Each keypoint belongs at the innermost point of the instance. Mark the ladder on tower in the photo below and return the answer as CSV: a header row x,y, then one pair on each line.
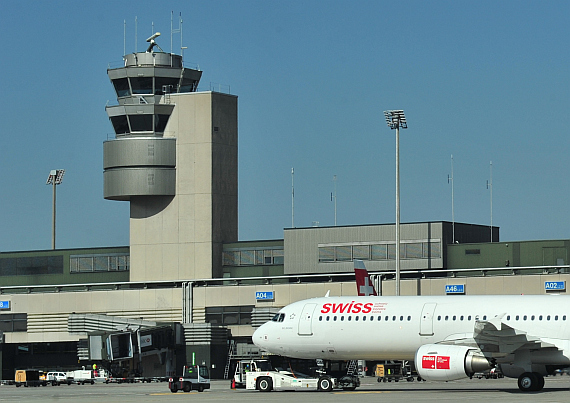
x,y
231,352
352,365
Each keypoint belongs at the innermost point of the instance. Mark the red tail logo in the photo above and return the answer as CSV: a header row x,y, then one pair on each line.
x,y
364,286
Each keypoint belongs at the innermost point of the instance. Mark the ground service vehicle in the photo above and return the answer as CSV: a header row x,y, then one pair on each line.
x,y
56,378
28,377
194,377
80,376
266,381
245,366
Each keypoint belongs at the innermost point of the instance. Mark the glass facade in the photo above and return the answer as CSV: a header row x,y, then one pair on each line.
x,y
384,251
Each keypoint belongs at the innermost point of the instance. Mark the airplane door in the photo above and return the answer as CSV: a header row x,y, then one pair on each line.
x,y
306,320
426,321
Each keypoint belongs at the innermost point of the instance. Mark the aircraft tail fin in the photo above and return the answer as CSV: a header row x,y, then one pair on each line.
x,y
364,285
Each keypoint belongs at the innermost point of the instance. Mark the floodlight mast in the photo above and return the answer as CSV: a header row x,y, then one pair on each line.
x,y
55,178
396,119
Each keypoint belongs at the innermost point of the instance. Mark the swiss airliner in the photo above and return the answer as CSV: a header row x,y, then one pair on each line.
x,y
447,337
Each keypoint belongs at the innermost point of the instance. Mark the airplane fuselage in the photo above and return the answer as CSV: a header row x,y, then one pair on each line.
x,y
385,328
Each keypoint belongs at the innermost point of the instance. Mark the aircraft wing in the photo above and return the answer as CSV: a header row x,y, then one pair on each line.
x,y
496,338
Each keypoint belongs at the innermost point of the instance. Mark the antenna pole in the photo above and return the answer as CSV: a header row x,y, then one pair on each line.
x,y
292,198
124,37
136,27
334,180
452,202
491,190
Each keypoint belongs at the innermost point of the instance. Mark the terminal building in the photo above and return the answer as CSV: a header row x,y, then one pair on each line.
x,y
185,289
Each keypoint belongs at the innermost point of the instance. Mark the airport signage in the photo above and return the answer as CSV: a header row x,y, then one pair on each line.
x,y
4,304
264,296
455,289
555,285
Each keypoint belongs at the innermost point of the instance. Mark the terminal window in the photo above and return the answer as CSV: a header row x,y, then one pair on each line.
x,y
14,322
99,263
383,251
229,315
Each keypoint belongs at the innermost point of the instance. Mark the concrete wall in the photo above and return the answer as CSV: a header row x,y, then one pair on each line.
x,y
302,246
181,237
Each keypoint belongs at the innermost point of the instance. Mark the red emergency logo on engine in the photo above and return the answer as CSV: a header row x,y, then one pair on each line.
x,y
428,362
435,362
442,362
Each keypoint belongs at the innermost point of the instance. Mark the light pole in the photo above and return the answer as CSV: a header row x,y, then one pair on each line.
x,y
396,119
55,178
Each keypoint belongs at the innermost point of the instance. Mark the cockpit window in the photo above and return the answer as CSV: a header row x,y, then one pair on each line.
x,y
281,317
275,318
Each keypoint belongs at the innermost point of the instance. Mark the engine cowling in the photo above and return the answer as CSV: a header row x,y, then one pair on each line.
x,y
440,362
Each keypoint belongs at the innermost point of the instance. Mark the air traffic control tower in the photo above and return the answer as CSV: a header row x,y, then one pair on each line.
x,y
174,159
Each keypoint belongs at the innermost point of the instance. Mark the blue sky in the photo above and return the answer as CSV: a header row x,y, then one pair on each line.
x,y
484,81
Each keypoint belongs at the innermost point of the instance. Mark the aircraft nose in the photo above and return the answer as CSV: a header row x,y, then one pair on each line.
x,y
260,337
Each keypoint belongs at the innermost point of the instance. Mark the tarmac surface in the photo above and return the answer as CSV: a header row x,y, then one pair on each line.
x,y
557,389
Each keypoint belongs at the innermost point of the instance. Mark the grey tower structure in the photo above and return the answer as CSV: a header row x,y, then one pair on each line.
x,y
174,158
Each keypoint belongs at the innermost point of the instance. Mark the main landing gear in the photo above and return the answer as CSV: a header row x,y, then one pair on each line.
x,y
531,382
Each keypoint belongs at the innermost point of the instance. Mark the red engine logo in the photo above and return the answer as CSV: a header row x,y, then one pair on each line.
x,y
428,362
435,362
442,362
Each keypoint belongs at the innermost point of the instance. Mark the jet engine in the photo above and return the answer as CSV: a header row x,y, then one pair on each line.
x,y
441,362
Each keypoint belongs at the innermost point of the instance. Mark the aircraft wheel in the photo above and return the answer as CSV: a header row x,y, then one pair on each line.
x,y
531,382
265,384
324,384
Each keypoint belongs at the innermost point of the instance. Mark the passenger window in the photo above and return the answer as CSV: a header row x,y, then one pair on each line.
x,y
386,318
508,317
379,317
564,317
342,318
454,317
540,317
349,318
555,317
363,317
461,317
517,317
484,317
372,318
524,317
409,318
401,318
439,317
334,318
321,318
446,317
356,318
548,317
532,317
469,317
328,318
393,318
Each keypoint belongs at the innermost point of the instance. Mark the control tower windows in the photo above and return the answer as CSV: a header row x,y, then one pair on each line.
x,y
160,122
141,85
120,124
141,123
122,87
188,85
165,83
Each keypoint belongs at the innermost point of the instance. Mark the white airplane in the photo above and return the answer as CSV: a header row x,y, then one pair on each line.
x,y
447,337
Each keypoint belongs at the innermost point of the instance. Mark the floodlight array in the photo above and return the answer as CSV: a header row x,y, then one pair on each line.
x,y
55,176
395,119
